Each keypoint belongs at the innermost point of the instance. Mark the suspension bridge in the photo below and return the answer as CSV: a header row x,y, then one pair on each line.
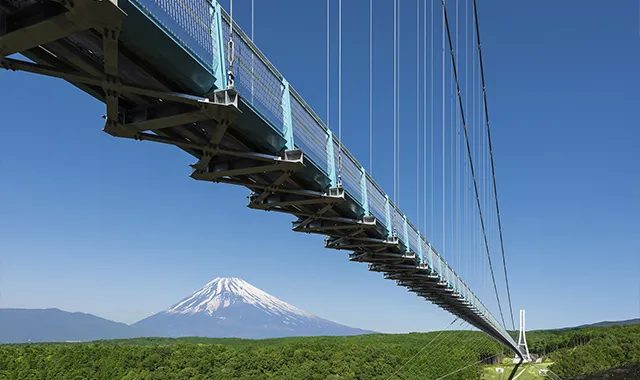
x,y
183,73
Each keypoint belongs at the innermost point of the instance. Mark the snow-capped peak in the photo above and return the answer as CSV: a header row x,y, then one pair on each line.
x,y
223,292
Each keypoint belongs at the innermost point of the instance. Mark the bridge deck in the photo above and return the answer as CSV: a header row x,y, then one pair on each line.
x,y
159,67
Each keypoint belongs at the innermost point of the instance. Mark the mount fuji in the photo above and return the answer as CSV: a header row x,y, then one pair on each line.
x,y
231,307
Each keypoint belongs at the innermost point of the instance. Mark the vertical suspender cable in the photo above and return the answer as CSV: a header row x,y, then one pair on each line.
x,y
395,104
230,23
371,87
464,124
418,110
398,106
328,67
493,170
340,93
479,141
253,25
466,91
231,52
475,142
424,109
444,214
432,108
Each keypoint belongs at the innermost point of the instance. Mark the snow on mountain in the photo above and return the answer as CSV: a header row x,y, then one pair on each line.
x,y
231,307
224,292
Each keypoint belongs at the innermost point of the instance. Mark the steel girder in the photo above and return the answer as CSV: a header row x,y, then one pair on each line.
x,y
156,109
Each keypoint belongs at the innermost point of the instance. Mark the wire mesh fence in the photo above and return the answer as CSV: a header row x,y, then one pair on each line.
x,y
255,80
309,135
377,201
191,23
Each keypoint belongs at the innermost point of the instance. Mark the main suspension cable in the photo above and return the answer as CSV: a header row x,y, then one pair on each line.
x,y
465,367
464,125
493,169
444,177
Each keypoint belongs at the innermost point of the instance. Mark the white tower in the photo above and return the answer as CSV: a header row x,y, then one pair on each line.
x,y
522,339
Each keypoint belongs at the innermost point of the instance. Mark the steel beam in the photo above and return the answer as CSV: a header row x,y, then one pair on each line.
x,y
79,16
280,201
224,156
314,217
322,226
241,167
122,88
273,187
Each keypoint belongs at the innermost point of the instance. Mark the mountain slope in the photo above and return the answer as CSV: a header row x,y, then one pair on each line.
x,y
610,323
231,307
54,325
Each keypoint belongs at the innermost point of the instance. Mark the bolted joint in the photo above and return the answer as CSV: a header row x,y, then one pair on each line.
x,y
111,79
212,147
116,129
336,192
110,84
110,93
5,64
226,97
369,220
111,33
271,189
392,240
210,150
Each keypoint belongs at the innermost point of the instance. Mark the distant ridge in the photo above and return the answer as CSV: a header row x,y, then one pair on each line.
x,y
634,321
223,308
55,325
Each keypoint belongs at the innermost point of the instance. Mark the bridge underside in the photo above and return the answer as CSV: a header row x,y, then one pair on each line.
x,y
87,43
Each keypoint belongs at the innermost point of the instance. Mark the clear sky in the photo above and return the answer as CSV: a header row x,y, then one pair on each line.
x,y
116,228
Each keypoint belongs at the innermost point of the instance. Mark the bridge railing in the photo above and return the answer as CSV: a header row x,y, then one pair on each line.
x,y
201,27
191,23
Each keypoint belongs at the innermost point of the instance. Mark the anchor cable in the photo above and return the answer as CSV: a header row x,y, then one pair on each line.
x,y
464,124
493,170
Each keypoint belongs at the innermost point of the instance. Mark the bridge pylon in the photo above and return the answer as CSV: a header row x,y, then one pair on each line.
x,y
522,339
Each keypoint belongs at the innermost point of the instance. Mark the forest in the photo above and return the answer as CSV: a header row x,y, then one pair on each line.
x,y
454,354
588,350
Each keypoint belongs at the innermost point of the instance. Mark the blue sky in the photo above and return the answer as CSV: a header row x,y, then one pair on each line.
x,y
117,228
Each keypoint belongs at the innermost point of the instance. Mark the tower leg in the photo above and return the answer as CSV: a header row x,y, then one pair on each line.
x,y
522,339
